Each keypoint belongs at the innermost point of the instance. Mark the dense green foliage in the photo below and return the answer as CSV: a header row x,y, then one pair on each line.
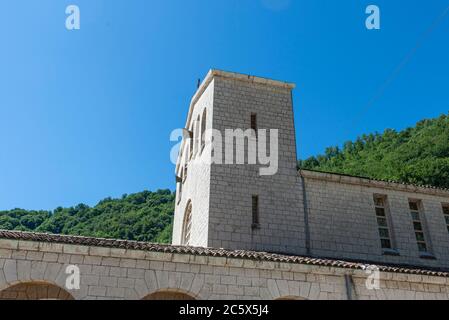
x,y
144,216
417,155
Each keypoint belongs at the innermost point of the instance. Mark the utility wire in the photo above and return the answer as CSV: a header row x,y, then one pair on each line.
x,y
398,69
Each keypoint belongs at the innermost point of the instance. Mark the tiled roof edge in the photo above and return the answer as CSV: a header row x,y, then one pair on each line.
x,y
238,254
391,184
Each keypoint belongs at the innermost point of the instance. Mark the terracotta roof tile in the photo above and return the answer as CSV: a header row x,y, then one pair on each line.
x,y
243,254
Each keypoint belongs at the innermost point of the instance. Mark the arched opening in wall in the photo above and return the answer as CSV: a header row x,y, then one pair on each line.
x,y
191,139
168,295
203,129
187,224
35,291
179,191
289,298
197,134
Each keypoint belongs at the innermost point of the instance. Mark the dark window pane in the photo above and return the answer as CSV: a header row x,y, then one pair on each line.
x,y
446,210
255,209
447,219
417,226
422,247
415,216
384,233
382,222
413,206
380,212
203,129
386,244
254,122
379,202
420,236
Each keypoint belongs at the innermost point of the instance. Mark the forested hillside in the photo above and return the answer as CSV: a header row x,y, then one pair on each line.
x,y
417,155
144,216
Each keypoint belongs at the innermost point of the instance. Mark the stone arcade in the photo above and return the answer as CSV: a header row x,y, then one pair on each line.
x,y
239,235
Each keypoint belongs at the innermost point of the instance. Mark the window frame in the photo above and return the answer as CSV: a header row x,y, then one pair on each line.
x,y
179,192
255,211
196,135
191,140
184,172
419,225
203,130
187,224
445,208
386,226
253,122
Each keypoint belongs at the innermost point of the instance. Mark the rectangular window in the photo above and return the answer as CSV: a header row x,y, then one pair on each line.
x,y
382,222
255,211
254,122
418,226
446,215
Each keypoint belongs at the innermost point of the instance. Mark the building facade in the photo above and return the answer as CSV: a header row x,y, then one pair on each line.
x,y
240,234
38,266
233,206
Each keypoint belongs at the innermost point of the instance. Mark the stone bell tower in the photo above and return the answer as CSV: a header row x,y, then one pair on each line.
x,y
231,205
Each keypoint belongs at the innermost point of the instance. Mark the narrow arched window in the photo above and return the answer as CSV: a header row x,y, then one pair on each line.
x,y
203,129
191,140
197,133
184,168
179,191
187,225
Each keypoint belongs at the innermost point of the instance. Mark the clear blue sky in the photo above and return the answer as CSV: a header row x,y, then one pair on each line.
x,y
87,114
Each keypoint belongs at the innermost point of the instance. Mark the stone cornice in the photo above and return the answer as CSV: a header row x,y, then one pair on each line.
x,y
234,76
373,183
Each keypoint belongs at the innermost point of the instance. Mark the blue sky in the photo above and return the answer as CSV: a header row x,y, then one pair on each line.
x,y
87,114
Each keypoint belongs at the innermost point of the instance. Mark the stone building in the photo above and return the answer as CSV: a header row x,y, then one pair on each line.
x,y
239,234
294,212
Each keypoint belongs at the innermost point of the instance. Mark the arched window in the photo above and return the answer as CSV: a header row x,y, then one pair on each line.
x,y
197,134
179,184
185,173
187,225
184,170
203,129
191,140
179,192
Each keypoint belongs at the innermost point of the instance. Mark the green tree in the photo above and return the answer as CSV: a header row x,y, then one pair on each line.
x,y
418,155
143,216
